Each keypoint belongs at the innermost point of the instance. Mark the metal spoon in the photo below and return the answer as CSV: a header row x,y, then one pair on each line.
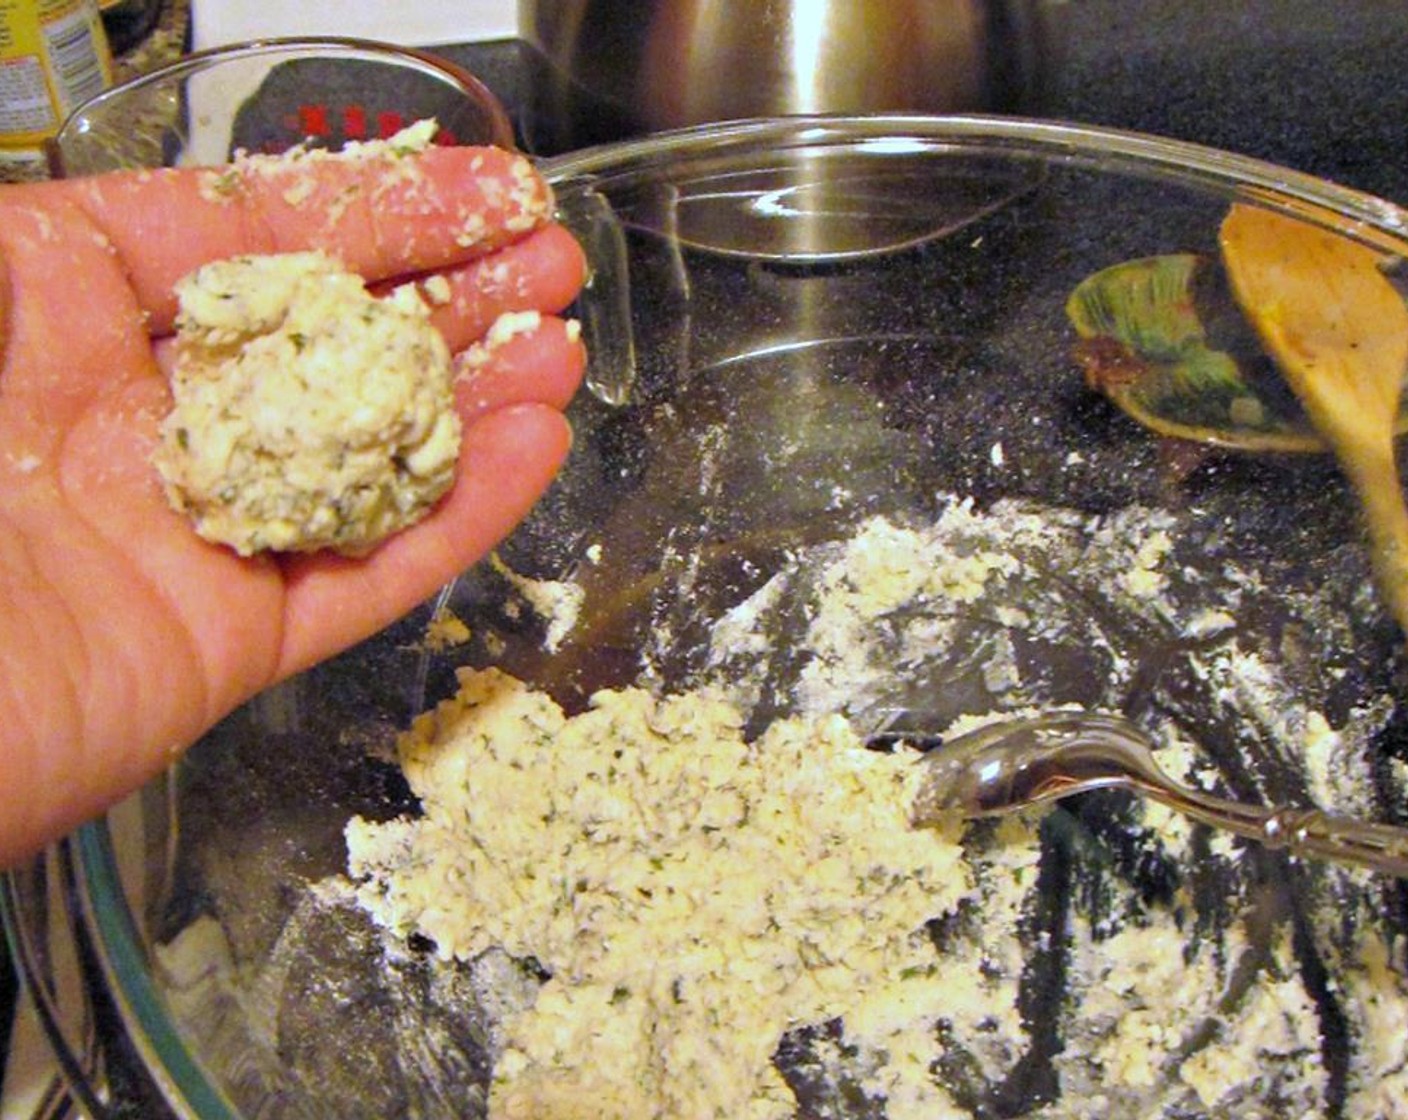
x,y
1011,764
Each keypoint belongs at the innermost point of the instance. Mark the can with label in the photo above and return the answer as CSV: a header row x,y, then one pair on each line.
x,y
53,56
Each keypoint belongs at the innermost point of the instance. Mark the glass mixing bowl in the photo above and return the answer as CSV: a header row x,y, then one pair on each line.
x,y
808,334
270,95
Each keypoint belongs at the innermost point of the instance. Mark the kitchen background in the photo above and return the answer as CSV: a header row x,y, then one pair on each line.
x,y
1314,86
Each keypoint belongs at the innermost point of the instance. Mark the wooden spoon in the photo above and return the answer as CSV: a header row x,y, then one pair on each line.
x,y
1338,331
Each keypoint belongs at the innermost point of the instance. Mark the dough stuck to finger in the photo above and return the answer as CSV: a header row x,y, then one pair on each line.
x,y
307,414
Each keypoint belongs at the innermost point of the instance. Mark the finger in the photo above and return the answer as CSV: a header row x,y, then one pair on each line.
x,y
542,365
543,272
71,326
508,458
548,368
383,214
5,301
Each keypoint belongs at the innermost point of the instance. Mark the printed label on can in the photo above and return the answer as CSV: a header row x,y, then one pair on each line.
x,y
53,57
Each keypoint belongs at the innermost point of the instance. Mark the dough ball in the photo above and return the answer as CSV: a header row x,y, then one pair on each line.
x,y
307,413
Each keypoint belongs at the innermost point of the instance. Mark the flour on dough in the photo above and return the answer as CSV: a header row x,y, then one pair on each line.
x,y
308,414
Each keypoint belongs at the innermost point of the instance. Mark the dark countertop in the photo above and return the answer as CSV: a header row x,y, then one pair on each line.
x,y
1318,87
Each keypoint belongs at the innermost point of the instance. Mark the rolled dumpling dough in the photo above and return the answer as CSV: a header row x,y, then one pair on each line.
x,y
308,413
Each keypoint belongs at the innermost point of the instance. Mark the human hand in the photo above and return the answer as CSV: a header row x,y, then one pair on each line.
x,y
123,635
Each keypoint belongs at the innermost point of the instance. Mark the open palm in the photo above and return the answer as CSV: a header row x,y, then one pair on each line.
x,y
123,636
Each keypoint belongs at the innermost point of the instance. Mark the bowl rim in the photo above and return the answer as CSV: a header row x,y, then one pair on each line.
x,y
500,127
1365,217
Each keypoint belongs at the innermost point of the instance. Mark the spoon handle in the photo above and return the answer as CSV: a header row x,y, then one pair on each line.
x,y
1302,832
1383,847
1373,471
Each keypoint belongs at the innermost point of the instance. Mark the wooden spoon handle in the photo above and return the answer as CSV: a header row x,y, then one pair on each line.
x,y
1374,475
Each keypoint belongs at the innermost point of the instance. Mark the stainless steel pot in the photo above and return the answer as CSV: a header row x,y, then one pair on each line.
x,y
617,67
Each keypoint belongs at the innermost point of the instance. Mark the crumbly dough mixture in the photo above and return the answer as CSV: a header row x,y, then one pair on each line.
x,y
307,413
694,896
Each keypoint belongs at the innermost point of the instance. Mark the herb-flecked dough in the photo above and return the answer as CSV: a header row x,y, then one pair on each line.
x,y
307,413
